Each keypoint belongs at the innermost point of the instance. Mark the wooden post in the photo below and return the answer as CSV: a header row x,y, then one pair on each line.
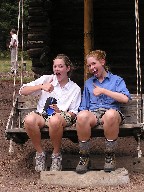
x,y
88,31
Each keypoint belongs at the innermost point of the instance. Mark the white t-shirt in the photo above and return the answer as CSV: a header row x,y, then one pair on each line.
x,y
14,38
68,97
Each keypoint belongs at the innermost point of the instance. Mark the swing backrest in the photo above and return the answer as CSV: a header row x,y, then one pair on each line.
x,y
133,110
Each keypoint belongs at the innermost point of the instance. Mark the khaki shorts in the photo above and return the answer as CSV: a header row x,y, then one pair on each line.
x,y
64,114
101,111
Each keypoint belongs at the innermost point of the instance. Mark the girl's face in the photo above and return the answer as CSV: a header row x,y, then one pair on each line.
x,y
96,67
60,69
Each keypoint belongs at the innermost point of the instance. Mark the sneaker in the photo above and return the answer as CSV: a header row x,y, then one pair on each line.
x,y
56,163
12,71
83,165
110,162
40,162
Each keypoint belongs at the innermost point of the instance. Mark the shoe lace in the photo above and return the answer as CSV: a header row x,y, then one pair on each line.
x,y
39,159
56,161
109,158
83,160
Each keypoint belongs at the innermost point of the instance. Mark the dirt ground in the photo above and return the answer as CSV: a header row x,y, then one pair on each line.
x,y
17,171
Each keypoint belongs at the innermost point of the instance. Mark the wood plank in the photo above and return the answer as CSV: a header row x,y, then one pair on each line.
x,y
73,128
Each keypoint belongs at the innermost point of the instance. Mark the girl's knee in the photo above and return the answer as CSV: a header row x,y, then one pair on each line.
x,y
55,121
82,115
111,115
29,119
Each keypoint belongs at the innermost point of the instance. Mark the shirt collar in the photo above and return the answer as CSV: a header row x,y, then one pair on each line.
x,y
55,83
68,85
107,76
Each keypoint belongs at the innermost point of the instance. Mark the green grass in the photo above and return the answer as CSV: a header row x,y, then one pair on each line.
x,y
5,70
5,65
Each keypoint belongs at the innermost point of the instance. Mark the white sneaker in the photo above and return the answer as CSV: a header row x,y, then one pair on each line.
x,y
56,163
40,161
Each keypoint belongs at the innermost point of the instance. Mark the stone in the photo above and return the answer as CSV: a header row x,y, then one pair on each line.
x,y
138,165
90,179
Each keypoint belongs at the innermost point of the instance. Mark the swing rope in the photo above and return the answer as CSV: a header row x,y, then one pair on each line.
x,y
22,44
138,65
20,5
139,81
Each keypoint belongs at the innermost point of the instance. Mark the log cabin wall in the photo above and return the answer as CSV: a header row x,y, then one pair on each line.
x,y
56,27
61,29
115,32
67,29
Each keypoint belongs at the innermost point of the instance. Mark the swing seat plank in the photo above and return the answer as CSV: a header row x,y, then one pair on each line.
x,y
133,126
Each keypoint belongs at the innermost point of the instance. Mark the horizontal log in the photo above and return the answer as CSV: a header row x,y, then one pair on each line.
x,y
35,52
37,19
38,29
36,11
38,37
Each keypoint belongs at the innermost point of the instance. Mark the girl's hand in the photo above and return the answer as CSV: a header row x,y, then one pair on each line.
x,y
55,107
47,86
97,90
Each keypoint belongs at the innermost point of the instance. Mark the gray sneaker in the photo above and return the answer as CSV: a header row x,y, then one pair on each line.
x,y
40,162
83,165
56,163
110,162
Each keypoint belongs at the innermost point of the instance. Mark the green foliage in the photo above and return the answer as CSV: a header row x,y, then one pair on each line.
x,y
9,11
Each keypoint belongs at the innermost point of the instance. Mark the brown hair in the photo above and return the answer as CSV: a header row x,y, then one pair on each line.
x,y
67,62
13,31
98,54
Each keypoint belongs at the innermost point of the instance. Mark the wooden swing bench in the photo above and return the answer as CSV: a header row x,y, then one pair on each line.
x,y
23,104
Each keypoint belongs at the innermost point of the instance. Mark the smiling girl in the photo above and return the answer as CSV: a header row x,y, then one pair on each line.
x,y
100,105
68,97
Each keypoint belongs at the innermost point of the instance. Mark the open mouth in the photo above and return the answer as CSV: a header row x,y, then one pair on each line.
x,y
58,74
95,71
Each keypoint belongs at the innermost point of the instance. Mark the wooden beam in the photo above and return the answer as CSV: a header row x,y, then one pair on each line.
x,y
88,31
